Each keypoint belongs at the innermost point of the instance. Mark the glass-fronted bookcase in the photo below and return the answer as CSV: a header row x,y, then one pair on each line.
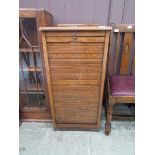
x,y
33,95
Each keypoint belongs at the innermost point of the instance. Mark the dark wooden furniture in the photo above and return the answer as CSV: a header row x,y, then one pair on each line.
x,y
75,62
121,79
33,102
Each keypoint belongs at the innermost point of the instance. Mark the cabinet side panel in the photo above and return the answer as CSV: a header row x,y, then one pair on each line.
x,y
103,76
49,86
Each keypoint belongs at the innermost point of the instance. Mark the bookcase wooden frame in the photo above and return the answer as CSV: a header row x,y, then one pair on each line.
x,y
43,18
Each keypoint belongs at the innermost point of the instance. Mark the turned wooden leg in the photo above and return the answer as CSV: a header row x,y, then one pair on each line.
x,y
108,119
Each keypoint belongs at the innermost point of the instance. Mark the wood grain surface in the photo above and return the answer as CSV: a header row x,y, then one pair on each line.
x,y
75,68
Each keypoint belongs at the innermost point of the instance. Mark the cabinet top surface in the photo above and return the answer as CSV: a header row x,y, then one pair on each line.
x,y
72,28
31,9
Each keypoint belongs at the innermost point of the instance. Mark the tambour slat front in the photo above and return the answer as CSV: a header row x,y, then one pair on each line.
x,y
75,63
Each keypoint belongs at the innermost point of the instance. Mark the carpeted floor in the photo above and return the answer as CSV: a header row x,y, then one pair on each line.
x,y
38,138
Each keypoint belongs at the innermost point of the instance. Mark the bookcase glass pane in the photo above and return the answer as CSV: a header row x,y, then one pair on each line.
x,y
33,100
28,27
21,82
39,79
30,59
29,80
42,100
30,71
23,99
32,95
26,60
37,60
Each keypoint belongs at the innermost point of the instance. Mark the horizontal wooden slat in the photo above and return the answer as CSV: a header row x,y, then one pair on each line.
x,y
59,39
77,111
76,69
74,61
77,93
85,33
75,82
77,115
75,48
64,104
72,98
90,39
72,70
74,88
75,39
73,45
74,112
75,56
75,76
67,66
71,117
89,50
78,108
75,119
79,126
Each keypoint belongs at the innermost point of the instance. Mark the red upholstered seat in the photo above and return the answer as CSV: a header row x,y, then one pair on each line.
x,y
122,85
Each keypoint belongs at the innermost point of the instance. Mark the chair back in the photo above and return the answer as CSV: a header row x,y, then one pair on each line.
x,y
122,50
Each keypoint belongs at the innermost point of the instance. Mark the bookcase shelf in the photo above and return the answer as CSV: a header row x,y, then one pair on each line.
x,y
31,69
31,88
33,49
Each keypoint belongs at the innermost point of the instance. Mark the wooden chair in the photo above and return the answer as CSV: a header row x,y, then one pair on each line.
x,y
121,64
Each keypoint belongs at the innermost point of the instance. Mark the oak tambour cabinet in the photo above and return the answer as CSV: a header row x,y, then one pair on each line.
x,y
75,64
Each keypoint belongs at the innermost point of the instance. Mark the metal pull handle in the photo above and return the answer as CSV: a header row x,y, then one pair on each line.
x,y
74,36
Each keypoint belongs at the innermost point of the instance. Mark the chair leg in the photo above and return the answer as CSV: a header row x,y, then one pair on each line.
x,y
108,119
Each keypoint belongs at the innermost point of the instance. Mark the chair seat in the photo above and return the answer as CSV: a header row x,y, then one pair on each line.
x,y
122,85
